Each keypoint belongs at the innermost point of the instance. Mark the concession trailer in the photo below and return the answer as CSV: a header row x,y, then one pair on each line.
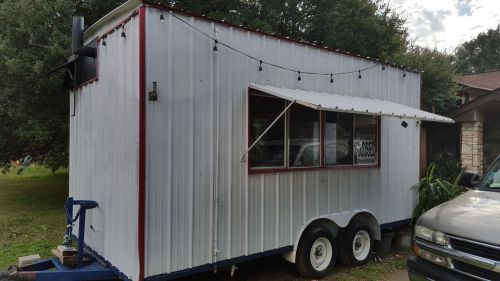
x,y
205,144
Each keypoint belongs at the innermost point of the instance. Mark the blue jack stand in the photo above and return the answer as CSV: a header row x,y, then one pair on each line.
x,y
53,270
84,206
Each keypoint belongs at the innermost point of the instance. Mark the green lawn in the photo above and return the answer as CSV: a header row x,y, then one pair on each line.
x,y
32,218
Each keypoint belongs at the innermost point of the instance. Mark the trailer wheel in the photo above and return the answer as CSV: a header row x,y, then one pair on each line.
x,y
316,253
356,244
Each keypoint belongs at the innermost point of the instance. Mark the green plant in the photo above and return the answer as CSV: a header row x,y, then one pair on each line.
x,y
446,166
433,191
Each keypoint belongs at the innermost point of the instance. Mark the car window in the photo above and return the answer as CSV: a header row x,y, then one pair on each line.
x,y
492,178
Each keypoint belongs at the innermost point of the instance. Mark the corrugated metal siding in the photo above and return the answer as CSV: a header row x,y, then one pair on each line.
x,y
104,151
197,132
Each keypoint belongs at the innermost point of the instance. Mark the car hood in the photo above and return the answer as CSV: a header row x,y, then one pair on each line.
x,y
473,215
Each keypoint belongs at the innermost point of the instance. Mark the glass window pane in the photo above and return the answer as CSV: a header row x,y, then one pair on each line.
x,y
304,137
338,138
365,139
270,150
492,178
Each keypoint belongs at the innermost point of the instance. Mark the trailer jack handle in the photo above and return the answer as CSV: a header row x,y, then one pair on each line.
x,y
80,215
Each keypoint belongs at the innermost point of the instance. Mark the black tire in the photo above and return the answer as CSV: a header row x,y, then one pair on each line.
x,y
346,241
303,259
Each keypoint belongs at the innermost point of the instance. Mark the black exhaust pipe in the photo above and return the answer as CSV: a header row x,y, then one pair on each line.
x,y
77,34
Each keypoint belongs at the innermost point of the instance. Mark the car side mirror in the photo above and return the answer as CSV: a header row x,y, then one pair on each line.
x,y
469,179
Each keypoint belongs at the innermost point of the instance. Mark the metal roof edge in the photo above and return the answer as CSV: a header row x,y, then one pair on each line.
x,y
119,12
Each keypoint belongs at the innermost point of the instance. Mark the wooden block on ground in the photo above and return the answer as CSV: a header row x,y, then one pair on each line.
x,y
67,251
66,260
27,260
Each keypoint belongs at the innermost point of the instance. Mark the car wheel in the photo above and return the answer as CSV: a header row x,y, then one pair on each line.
x,y
316,253
356,244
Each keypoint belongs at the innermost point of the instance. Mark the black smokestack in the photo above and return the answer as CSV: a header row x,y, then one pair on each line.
x,y
77,33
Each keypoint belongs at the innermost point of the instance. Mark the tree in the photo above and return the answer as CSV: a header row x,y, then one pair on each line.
x,y
36,37
480,54
439,89
33,109
368,28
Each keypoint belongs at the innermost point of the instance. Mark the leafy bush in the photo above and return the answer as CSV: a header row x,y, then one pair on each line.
x,y
433,191
446,166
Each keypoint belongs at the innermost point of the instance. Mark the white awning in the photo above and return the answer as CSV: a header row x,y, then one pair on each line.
x,y
350,104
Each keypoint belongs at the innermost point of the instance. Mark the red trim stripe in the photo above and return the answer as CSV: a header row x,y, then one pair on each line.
x,y
142,140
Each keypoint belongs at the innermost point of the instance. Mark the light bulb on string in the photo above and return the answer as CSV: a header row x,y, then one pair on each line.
x,y
359,74
383,66
103,43
298,77
123,31
215,47
162,17
404,72
260,65
331,78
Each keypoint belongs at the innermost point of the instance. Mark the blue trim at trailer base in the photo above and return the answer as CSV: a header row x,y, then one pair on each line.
x,y
41,271
395,225
223,263
114,269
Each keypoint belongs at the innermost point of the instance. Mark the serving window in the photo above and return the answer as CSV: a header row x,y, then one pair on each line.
x,y
307,138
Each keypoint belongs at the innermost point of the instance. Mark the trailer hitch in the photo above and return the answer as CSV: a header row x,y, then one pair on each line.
x,y
80,216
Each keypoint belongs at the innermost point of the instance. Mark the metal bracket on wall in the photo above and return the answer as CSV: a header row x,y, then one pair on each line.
x,y
153,95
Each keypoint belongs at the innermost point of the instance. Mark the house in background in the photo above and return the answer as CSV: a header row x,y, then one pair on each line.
x,y
474,139
479,119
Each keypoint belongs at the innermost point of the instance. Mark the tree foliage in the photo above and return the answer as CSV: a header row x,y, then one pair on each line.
x,y
368,28
33,108
438,78
480,54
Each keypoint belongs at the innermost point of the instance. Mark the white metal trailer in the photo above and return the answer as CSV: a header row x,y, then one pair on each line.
x,y
161,125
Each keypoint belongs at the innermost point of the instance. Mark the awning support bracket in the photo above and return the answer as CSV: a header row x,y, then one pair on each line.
x,y
243,157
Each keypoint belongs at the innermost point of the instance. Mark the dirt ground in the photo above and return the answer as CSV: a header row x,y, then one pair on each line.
x,y
391,268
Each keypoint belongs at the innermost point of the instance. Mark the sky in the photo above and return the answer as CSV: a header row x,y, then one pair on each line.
x,y
445,24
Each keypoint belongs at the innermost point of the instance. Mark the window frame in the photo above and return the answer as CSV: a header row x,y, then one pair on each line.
x,y
322,121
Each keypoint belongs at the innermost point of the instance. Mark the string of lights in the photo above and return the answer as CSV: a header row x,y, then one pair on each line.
x,y
260,61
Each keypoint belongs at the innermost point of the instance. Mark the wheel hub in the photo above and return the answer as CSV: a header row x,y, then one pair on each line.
x,y
361,245
321,253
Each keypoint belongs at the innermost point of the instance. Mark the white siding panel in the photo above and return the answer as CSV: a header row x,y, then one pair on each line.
x,y
104,151
197,132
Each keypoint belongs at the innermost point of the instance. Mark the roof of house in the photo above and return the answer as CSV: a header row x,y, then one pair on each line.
x,y
489,81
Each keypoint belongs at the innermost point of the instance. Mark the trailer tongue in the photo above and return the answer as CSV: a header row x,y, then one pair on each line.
x,y
69,264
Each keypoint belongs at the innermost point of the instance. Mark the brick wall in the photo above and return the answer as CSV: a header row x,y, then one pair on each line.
x,y
472,146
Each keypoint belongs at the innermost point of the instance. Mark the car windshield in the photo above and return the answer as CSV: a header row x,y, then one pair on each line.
x,y
492,177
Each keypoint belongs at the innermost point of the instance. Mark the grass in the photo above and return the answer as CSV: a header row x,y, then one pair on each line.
x,y
375,270
32,217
